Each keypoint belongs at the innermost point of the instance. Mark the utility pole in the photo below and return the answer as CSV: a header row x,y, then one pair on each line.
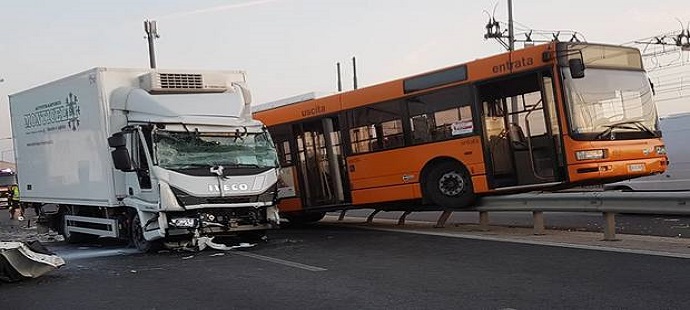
x,y
151,35
340,81
511,33
354,72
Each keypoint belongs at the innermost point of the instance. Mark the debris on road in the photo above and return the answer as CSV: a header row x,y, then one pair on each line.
x,y
204,242
19,260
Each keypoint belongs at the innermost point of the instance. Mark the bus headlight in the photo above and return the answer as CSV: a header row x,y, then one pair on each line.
x,y
660,150
590,154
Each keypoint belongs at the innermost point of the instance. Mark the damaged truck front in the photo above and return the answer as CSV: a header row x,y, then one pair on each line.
x,y
155,157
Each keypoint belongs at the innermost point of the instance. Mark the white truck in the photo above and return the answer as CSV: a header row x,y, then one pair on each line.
x,y
675,129
157,157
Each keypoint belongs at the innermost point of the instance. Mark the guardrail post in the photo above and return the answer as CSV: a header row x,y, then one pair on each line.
x,y
342,215
370,218
443,218
610,226
538,222
401,220
484,220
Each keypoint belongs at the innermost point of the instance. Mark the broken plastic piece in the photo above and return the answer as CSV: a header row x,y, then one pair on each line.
x,y
19,260
204,242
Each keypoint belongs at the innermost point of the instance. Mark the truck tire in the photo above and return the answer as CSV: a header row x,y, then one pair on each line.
x,y
136,233
449,186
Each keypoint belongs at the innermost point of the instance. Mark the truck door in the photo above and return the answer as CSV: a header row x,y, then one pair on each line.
x,y
139,183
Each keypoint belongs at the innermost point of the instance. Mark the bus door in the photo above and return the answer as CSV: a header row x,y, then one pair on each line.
x,y
522,139
320,162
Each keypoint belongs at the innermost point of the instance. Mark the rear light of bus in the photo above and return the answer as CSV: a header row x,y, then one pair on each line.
x,y
590,154
661,150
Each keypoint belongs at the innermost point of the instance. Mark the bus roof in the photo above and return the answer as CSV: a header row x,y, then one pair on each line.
x,y
287,101
310,105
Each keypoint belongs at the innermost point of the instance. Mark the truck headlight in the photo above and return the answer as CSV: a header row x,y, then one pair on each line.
x,y
270,195
590,154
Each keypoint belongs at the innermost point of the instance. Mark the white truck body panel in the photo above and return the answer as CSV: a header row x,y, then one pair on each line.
x,y
60,133
675,130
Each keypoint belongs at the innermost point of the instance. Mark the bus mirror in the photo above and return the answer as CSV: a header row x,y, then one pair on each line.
x,y
577,68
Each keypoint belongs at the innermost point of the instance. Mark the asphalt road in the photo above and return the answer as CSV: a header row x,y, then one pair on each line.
x,y
340,268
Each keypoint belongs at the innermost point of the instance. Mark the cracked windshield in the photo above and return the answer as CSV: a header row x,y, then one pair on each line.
x,y
605,101
182,150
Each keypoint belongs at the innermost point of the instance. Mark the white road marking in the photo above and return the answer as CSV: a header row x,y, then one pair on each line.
x,y
280,261
531,242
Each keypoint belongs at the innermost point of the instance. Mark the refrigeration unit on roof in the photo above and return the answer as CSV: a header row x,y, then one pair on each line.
x,y
171,82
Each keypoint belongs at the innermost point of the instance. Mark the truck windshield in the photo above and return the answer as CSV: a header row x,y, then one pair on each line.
x,y
184,150
611,104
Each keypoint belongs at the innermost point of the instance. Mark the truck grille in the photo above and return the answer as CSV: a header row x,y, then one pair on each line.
x,y
189,200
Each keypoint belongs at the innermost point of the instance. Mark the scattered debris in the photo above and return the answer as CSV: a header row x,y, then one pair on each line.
x,y
204,242
217,254
188,257
20,260
133,271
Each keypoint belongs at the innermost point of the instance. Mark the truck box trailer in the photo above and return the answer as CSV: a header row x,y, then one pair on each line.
x,y
149,155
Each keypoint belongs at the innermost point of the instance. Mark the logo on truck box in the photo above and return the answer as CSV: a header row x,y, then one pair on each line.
x,y
56,115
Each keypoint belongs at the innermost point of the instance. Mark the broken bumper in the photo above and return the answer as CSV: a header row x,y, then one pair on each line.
x,y
18,261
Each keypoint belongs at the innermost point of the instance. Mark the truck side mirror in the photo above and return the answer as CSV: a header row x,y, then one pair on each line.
x,y
117,140
577,68
120,154
121,159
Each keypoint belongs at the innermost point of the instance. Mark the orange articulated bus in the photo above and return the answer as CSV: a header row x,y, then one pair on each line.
x,y
551,116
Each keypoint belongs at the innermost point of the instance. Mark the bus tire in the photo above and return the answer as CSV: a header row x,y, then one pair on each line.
x,y
449,186
303,218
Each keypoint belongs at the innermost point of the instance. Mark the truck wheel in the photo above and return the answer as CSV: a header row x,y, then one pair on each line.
x,y
448,185
136,234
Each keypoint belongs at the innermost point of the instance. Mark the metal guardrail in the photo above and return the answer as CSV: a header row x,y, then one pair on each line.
x,y
608,203
673,203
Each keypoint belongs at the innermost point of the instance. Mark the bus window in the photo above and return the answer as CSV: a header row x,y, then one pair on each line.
x,y
282,135
376,127
433,115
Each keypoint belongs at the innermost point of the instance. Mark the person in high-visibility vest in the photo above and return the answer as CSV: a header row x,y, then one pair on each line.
x,y
15,206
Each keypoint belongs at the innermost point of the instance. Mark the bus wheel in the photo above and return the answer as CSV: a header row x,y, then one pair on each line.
x,y
303,218
136,234
449,186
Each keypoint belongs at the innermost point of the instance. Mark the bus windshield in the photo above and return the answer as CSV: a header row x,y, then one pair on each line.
x,y
611,104
185,150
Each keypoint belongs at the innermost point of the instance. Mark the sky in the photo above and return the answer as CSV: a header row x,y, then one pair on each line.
x,y
291,47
